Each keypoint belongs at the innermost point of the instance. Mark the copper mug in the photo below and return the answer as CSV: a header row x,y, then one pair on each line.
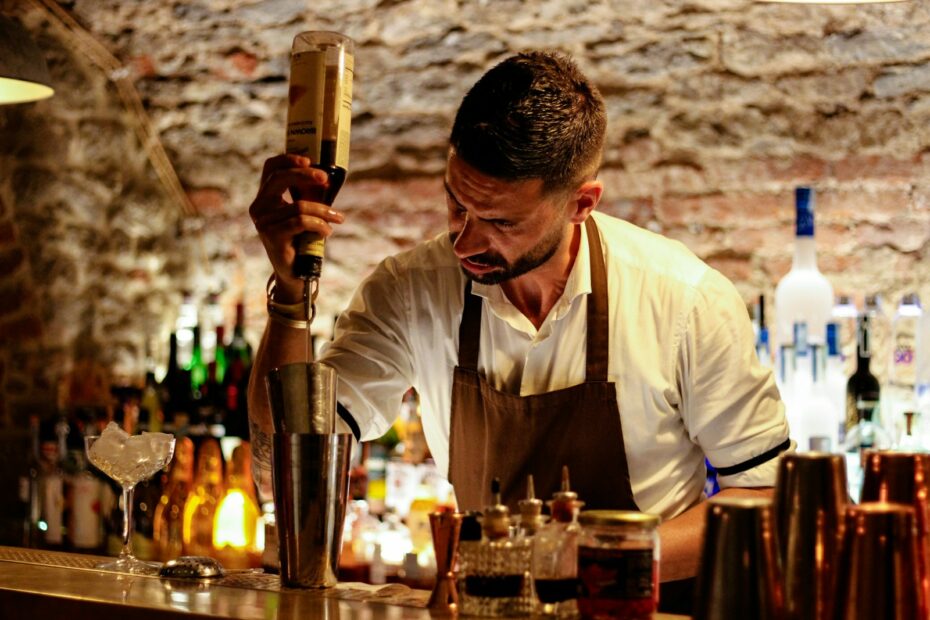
x,y
904,478
810,503
877,575
739,575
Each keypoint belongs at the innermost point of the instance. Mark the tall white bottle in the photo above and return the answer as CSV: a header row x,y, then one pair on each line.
x,y
803,295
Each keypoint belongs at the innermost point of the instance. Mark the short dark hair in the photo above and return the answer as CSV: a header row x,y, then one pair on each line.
x,y
534,115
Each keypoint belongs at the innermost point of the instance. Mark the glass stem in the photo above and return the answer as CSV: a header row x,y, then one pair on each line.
x,y
127,522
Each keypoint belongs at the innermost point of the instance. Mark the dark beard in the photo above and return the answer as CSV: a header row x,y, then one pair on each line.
x,y
538,255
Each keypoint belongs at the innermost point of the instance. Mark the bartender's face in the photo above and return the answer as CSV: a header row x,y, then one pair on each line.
x,y
501,229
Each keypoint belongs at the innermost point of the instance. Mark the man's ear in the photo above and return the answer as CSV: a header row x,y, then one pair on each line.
x,y
585,199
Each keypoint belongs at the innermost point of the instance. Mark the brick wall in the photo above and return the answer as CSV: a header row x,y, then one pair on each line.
x,y
718,108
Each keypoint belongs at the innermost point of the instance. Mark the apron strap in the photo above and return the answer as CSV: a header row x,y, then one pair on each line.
x,y
470,330
598,319
598,332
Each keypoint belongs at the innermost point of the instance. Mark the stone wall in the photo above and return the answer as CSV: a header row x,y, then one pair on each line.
x,y
718,108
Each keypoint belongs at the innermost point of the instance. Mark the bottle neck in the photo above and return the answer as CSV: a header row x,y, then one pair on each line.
x,y
805,253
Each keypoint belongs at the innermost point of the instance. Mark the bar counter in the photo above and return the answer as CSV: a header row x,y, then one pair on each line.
x,y
48,584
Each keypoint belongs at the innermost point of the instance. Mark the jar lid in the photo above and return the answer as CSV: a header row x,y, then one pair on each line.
x,y
618,517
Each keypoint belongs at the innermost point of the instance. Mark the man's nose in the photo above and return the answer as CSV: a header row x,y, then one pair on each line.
x,y
469,240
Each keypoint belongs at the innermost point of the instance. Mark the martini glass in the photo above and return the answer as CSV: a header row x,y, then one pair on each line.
x,y
129,459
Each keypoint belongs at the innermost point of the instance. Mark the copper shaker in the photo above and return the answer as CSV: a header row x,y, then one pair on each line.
x,y
810,503
903,478
877,575
739,575
445,527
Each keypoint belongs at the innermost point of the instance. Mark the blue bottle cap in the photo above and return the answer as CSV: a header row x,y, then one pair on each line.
x,y
833,339
804,206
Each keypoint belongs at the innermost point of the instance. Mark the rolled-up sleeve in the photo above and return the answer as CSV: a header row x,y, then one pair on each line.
x,y
371,352
730,404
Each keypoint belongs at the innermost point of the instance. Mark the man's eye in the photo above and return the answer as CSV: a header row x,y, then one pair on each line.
x,y
503,223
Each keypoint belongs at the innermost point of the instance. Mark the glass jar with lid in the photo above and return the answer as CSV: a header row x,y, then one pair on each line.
x,y
618,565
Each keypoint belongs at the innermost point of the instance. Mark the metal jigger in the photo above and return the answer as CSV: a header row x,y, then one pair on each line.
x,y
877,575
739,575
445,527
810,504
903,478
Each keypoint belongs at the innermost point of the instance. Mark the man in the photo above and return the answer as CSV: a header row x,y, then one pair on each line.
x,y
537,332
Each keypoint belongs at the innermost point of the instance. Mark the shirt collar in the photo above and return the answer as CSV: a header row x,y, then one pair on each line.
x,y
578,284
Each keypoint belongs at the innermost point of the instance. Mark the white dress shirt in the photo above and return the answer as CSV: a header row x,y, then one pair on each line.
x,y
689,383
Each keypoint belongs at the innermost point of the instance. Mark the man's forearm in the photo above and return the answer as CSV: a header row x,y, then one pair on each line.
x,y
682,538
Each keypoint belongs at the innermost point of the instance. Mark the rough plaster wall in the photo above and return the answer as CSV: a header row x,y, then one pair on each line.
x,y
717,108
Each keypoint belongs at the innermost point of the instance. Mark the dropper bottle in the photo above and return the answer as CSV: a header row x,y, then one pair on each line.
x,y
495,573
555,554
531,518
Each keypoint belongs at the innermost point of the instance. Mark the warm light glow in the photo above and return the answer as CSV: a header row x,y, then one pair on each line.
x,y
21,91
235,522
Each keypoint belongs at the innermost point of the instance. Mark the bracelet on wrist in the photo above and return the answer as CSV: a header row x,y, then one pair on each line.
x,y
291,315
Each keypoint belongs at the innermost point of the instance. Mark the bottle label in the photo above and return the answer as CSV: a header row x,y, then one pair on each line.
x,y
904,358
53,503
305,104
616,573
85,512
319,116
309,243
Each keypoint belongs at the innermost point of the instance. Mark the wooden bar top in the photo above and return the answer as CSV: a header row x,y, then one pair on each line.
x,y
48,584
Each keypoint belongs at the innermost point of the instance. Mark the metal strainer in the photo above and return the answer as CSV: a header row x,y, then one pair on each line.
x,y
192,567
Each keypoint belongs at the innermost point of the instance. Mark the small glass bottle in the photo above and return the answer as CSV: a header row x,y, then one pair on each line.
x,y
494,572
555,555
618,565
531,517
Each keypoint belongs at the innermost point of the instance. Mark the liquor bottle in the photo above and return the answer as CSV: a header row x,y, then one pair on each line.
x,y
879,336
844,315
197,367
236,528
803,295
52,485
184,329
318,123
169,514
836,377
85,526
922,380
863,394
555,555
219,354
238,357
763,346
899,395
29,488
823,417
494,573
145,502
797,390
200,507
150,404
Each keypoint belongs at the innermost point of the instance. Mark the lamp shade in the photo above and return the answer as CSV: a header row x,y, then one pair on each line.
x,y
23,73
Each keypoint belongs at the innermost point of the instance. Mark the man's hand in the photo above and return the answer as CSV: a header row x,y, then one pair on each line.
x,y
682,538
278,218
